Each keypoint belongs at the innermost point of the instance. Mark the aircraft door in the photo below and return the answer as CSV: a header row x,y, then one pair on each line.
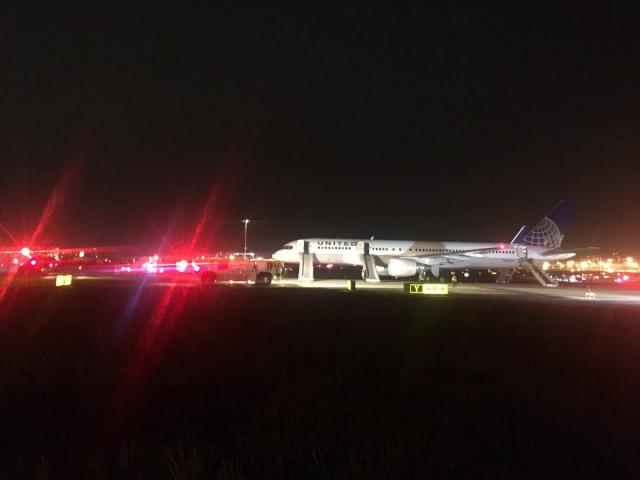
x,y
304,246
522,252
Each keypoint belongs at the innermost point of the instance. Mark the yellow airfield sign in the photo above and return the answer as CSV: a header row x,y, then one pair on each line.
x,y
63,280
429,288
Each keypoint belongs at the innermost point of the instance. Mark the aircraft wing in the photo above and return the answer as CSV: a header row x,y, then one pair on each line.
x,y
559,251
63,251
27,251
449,256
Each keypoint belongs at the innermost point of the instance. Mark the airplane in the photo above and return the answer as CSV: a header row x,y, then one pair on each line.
x,y
408,258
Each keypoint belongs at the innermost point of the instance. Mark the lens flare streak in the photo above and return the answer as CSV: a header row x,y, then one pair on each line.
x,y
157,330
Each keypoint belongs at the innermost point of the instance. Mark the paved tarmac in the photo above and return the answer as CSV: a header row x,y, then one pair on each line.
x,y
568,293
618,294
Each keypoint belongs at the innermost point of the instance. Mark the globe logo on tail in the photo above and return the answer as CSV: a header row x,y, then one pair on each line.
x,y
544,234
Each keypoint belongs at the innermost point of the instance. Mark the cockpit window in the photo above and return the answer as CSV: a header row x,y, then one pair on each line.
x,y
287,247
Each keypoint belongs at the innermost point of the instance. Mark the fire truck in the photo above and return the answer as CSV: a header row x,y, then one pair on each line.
x,y
258,271
208,269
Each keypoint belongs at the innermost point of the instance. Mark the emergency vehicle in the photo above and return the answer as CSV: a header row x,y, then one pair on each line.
x,y
259,271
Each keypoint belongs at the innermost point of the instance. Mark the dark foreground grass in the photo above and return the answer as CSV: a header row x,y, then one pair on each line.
x,y
237,383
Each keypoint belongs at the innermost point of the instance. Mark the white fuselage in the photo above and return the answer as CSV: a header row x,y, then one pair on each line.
x,y
350,251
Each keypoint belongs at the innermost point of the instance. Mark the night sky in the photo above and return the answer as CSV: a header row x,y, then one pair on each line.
x,y
424,122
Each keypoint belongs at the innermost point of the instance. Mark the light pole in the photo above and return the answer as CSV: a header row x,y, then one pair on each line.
x,y
246,223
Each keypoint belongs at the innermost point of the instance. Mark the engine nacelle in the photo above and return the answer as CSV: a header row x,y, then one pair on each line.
x,y
382,270
400,267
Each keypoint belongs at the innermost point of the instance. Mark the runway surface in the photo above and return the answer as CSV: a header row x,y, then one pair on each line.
x,y
567,293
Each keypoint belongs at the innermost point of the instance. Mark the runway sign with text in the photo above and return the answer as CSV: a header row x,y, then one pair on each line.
x,y
429,288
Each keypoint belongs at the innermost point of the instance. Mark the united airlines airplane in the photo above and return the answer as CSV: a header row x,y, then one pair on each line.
x,y
407,258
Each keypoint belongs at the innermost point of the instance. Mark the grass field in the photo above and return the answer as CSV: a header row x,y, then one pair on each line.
x,y
136,381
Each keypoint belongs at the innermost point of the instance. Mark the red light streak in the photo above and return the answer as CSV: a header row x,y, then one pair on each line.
x,y
205,215
53,203
9,234
52,206
147,353
157,331
5,302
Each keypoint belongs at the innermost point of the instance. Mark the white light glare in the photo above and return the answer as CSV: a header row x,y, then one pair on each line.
x,y
181,266
150,267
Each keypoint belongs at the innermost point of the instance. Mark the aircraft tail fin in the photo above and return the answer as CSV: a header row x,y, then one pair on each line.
x,y
550,231
520,235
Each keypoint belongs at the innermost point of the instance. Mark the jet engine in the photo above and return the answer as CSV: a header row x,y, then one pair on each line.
x,y
400,267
